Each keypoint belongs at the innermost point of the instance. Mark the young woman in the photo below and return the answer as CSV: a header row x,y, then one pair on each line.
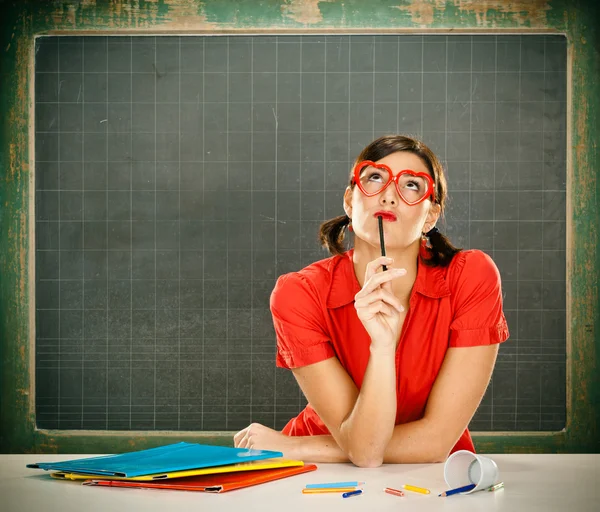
x,y
393,353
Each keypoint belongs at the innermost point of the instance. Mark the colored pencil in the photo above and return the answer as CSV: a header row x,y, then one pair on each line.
x,y
323,490
395,492
414,488
332,485
464,488
352,493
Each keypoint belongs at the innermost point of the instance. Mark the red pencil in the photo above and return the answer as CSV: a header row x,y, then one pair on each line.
x,y
395,492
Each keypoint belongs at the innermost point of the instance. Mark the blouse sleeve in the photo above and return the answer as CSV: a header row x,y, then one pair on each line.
x,y
478,316
299,323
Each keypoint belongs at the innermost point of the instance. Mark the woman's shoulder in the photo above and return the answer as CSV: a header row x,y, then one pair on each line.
x,y
314,279
472,266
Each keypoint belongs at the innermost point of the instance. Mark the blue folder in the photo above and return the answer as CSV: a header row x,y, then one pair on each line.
x,y
173,457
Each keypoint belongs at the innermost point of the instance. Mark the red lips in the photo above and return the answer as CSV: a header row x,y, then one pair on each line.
x,y
385,215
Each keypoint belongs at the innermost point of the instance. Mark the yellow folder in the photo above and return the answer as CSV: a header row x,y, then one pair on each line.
x,y
230,468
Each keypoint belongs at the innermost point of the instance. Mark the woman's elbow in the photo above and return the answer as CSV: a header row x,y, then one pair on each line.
x,y
366,462
364,459
439,455
435,458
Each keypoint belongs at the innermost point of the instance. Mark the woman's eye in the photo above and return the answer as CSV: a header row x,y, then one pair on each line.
x,y
375,177
415,185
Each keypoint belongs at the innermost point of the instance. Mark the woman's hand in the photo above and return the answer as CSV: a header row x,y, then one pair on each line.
x,y
259,437
377,307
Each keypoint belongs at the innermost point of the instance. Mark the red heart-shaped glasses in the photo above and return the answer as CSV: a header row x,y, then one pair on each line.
x,y
413,187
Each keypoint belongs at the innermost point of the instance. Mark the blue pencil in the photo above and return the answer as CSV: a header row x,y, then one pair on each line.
x,y
332,485
352,493
466,488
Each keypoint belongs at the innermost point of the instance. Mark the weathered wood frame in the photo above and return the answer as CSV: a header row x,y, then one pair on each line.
x,y
23,20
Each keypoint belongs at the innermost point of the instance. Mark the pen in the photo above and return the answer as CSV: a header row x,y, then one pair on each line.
x,y
352,493
332,485
414,488
381,240
395,492
465,488
330,489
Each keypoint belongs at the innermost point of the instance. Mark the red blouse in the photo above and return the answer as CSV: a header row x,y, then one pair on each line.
x,y
455,306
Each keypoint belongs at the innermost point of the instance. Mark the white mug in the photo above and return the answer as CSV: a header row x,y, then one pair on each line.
x,y
464,468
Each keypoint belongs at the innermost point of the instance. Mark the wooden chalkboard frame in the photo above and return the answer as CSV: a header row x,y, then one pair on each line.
x,y
22,21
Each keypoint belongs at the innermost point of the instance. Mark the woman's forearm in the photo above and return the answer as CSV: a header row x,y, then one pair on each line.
x,y
416,442
411,443
317,449
367,430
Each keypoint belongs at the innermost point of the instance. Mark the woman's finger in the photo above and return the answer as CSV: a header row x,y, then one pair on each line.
x,y
379,294
373,266
237,438
378,279
375,308
244,442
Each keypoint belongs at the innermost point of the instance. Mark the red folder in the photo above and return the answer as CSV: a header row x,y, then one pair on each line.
x,y
212,483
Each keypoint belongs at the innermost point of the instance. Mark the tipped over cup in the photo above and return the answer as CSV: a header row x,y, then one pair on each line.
x,y
466,468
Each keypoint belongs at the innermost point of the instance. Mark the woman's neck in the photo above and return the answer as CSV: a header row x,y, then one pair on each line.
x,y
406,258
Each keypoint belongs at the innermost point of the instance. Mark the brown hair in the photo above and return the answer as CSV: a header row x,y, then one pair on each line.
x,y
333,231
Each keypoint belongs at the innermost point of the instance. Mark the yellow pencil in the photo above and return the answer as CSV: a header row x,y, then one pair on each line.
x,y
328,489
416,489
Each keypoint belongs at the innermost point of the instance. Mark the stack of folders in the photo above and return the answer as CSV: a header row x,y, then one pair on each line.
x,y
181,466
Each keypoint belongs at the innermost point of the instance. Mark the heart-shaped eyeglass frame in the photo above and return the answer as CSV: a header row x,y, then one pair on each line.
x,y
391,178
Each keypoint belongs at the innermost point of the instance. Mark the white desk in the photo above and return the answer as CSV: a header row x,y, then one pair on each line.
x,y
566,483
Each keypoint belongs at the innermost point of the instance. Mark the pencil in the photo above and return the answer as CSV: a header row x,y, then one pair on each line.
x,y
496,487
352,493
414,488
381,240
458,490
395,492
326,490
332,485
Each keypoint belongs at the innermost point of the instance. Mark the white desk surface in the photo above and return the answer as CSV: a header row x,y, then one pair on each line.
x,y
566,483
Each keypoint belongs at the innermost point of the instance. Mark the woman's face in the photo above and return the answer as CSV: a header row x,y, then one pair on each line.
x,y
404,224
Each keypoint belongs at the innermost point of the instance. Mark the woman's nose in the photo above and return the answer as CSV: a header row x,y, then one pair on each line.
x,y
389,196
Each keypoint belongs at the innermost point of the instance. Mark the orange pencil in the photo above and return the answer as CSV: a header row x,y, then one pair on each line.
x,y
328,489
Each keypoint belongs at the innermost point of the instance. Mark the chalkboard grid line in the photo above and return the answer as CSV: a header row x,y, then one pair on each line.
x,y
397,86
67,221
107,253
470,187
494,195
350,159
178,246
373,97
223,309
408,72
542,185
446,105
131,237
276,197
59,229
227,242
323,217
251,224
83,233
422,83
203,231
258,102
516,338
155,258
300,213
